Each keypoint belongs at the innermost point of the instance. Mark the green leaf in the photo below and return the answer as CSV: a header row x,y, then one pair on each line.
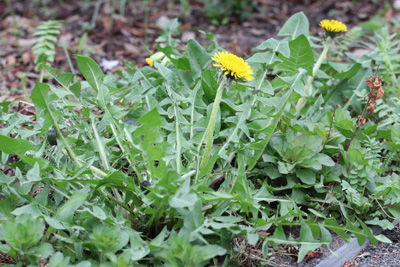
x,y
207,252
295,26
34,173
325,160
307,176
296,81
279,46
307,241
301,56
58,260
66,212
31,209
42,99
383,223
20,147
198,58
273,122
91,71
62,78
139,248
76,89
347,73
183,201
395,211
43,251
263,58
149,137
168,74
332,224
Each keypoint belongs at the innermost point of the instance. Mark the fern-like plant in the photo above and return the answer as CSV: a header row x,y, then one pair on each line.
x,y
44,48
385,52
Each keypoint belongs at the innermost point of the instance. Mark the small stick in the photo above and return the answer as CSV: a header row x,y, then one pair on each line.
x,y
330,126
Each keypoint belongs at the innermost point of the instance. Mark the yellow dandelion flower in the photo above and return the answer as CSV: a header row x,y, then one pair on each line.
x,y
233,66
333,27
149,61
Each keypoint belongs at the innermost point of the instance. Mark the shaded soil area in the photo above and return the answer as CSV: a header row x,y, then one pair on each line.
x,y
122,32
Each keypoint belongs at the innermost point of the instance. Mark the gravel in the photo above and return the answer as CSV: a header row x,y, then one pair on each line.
x,y
383,254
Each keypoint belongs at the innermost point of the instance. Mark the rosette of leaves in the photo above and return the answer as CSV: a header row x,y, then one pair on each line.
x,y
299,154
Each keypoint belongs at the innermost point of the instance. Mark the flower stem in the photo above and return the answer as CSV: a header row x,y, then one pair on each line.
x,y
317,65
211,124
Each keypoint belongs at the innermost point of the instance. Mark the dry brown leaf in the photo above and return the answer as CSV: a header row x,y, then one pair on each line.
x,y
380,92
311,254
263,232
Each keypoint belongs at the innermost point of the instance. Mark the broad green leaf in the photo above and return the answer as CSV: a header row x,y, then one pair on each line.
x,y
279,46
273,122
53,222
150,138
67,211
202,254
325,160
20,147
76,89
31,209
295,26
307,241
34,173
198,58
91,71
138,247
301,56
307,176
263,58
43,249
348,73
297,81
62,78
42,99
383,223
58,260
187,200
395,211
169,75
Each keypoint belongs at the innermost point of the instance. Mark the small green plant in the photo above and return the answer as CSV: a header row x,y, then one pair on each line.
x,y
45,45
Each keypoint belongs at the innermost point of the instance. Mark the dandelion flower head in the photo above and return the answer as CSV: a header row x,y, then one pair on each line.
x,y
333,27
233,66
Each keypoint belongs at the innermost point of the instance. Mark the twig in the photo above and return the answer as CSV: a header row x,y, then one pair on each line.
x,y
384,210
330,126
